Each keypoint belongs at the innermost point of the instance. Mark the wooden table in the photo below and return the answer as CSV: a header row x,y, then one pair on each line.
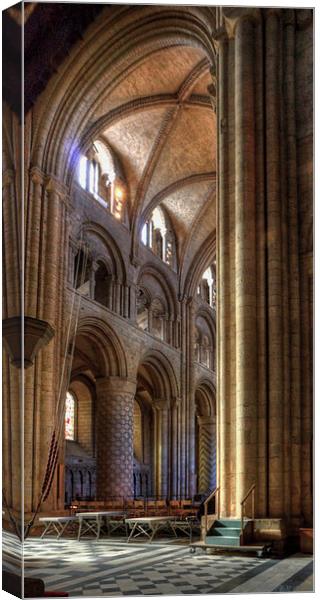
x,y
56,524
149,526
93,521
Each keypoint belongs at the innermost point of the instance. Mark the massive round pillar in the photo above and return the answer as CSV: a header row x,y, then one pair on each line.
x,y
114,430
259,402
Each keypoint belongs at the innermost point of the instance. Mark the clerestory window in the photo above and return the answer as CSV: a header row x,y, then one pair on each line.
x,y
157,235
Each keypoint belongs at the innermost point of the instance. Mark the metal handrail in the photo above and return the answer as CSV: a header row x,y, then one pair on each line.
x,y
206,502
250,491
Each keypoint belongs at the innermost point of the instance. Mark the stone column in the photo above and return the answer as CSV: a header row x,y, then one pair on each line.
x,y
117,307
11,252
191,458
207,454
174,448
109,279
132,302
56,193
245,266
274,264
73,250
126,302
294,270
163,447
170,327
33,243
223,273
259,398
114,434
94,268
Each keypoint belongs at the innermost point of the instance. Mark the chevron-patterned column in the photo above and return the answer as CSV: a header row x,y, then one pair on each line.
x,y
207,454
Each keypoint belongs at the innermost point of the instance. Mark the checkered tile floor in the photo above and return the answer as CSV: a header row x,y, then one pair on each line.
x,y
113,568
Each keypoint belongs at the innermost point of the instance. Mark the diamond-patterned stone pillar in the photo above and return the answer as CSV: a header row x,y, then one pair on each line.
x,y
114,430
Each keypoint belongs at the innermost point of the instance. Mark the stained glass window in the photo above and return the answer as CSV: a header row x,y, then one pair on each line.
x,y
70,417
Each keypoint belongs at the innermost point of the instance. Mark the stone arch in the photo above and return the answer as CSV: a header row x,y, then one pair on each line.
x,y
161,374
106,345
117,262
84,390
61,142
157,390
207,391
205,336
168,292
202,260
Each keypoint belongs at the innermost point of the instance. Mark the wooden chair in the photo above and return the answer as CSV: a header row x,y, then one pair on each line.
x,y
161,507
174,507
150,507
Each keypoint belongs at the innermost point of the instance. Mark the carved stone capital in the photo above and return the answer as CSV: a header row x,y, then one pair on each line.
x,y
176,402
233,16
36,334
161,404
135,261
37,176
116,386
94,266
220,36
53,186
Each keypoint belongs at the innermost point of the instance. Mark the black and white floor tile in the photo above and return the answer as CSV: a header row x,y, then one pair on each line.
x,y
111,567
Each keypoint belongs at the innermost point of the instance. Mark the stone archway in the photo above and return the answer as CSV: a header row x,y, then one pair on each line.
x,y
157,392
99,356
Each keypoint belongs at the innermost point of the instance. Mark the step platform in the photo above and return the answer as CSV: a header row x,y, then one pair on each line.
x,y
261,550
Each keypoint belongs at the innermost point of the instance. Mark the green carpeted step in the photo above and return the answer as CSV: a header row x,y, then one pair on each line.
x,y
225,531
222,541
233,523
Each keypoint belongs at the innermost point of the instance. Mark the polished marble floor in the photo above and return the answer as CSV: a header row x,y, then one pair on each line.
x,y
111,567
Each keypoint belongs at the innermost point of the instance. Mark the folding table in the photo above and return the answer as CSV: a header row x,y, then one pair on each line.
x,y
149,526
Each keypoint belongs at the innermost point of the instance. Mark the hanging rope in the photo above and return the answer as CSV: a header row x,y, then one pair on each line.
x,y
63,385
11,517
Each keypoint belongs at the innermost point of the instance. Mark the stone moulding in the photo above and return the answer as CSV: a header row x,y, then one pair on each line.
x,y
36,333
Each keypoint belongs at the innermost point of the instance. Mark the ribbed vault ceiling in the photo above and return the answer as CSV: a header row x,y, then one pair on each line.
x,y
156,116
164,132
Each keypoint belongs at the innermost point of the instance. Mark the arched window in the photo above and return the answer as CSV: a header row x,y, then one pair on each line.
x,y
207,286
101,174
70,418
89,172
157,235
